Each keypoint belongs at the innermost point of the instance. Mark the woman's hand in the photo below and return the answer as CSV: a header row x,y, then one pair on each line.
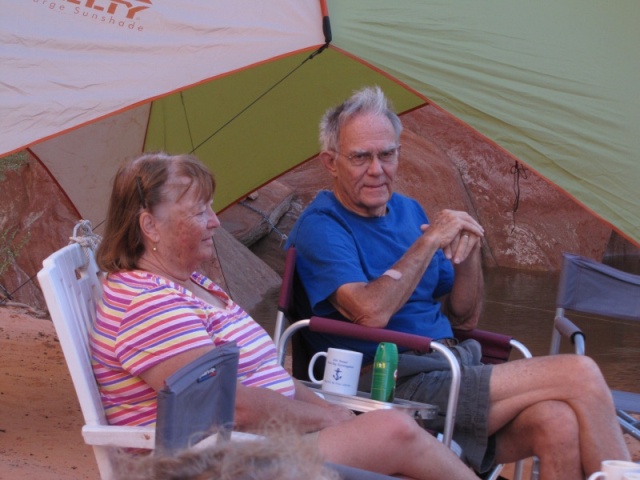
x,y
340,414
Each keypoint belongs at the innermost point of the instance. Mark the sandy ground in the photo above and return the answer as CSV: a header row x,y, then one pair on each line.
x,y
40,418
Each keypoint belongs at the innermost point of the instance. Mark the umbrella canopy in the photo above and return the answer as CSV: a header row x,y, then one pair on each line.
x,y
238,83
86,82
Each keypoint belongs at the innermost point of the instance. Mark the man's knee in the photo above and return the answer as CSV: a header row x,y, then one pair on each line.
x,y
588,375
575,370
553,416
553,425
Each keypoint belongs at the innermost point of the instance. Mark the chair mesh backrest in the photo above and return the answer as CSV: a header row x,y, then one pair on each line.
x,y
285,301
592,287
293,300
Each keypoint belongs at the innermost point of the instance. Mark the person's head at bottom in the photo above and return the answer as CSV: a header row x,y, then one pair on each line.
x,y
280,455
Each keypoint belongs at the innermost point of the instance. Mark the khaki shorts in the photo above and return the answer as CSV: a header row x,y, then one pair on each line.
x,y
426,378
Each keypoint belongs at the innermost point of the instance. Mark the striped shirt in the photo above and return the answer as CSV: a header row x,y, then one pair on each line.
x,y
143,319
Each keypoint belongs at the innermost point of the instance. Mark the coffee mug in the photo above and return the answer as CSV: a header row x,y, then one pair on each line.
x,y
615,469
341,371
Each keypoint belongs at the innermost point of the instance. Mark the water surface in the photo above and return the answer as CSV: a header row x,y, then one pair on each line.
x,y
522,304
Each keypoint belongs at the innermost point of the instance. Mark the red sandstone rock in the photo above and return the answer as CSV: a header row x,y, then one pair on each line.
x,y
443,165
42,219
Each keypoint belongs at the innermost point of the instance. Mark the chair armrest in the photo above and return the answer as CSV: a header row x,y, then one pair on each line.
x,y
496,347
563,327
348,329
567,328
121,436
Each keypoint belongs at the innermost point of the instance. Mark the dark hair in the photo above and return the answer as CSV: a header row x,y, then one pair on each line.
x,y
368,100
139,184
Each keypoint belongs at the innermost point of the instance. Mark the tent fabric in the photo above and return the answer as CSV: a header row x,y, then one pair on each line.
x,y
554,84
92,92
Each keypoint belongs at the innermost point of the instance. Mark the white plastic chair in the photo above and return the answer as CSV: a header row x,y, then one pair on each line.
x,y
70,282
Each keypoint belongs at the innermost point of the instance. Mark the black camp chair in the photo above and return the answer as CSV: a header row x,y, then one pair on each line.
x,y
587,286
293,308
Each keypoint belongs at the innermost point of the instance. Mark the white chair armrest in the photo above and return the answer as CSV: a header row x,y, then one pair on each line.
x,y
121,436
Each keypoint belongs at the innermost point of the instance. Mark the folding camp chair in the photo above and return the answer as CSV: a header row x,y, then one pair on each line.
x,y
496,348
587,286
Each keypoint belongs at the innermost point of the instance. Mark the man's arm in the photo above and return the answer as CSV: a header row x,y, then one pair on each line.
x,y
464,304
458,234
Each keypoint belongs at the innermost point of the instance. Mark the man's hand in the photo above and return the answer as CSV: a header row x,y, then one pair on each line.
x,y
457,234
461,247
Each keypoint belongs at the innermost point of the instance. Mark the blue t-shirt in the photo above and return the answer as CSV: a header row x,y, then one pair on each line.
x,y
336,246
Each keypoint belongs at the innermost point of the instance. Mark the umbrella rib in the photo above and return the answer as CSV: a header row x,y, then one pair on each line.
x,y
186,118
310,57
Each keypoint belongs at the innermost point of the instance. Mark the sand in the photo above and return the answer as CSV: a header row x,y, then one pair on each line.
x,y
40,419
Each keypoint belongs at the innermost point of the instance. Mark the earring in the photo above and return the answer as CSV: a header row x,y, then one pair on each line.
x,y
154,249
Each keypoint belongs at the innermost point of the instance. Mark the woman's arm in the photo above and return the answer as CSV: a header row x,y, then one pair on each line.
x,y
255,406
156,375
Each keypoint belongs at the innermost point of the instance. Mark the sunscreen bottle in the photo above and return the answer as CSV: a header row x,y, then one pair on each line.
x,y
385,372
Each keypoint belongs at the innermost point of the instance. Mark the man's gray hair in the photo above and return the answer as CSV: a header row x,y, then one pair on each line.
x,y
369,100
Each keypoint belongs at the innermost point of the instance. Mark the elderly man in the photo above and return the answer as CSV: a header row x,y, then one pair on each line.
x,y
371,256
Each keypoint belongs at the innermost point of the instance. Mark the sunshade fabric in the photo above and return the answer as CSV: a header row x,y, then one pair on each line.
x,y
274,134
554,83
69,62
221,56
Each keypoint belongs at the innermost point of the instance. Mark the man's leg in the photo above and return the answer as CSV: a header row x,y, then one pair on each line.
x,y
548,430
573,379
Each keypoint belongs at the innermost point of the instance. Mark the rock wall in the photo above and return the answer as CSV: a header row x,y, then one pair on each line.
x,y
533,236
443,165
35,220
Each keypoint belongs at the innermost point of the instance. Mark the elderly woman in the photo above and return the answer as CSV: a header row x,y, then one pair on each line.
x,y
157,314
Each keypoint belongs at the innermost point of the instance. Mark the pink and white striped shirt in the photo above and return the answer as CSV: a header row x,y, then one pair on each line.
x,y
144,319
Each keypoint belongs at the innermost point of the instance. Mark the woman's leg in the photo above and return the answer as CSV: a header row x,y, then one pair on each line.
x,y
392,443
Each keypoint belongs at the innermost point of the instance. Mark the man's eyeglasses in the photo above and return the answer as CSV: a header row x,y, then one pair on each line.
x,y
385,157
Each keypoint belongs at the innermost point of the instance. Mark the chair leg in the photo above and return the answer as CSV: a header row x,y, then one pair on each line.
x,y
629,424
518,471
495,473
103,459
